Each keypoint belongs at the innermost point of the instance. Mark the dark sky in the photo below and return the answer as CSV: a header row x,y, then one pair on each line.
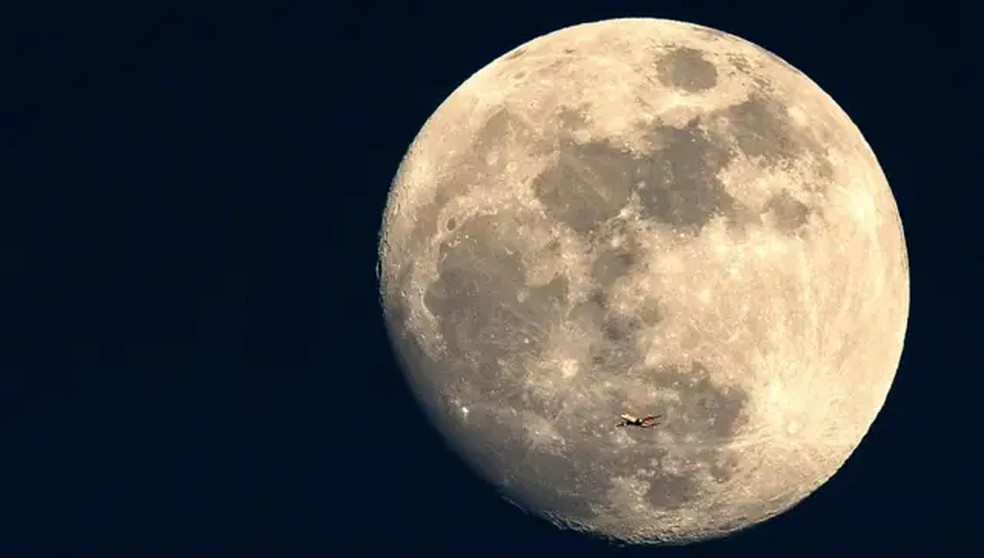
x,y
192,353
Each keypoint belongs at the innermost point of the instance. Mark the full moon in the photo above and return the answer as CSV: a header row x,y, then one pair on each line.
x,y
649,217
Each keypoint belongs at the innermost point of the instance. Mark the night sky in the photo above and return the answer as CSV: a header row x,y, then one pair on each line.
x,y
193,360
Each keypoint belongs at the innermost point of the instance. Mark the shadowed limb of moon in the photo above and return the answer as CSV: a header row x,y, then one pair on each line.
x,y
646,216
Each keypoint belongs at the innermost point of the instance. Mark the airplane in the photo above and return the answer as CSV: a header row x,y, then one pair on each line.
x,y
645,422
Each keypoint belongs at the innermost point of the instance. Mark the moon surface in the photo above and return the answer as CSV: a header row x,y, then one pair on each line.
x,y
645,216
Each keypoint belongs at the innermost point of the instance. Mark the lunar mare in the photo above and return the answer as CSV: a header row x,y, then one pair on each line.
x,y
644,216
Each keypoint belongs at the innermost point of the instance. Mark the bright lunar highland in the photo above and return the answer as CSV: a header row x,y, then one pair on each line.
x,y
649,217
